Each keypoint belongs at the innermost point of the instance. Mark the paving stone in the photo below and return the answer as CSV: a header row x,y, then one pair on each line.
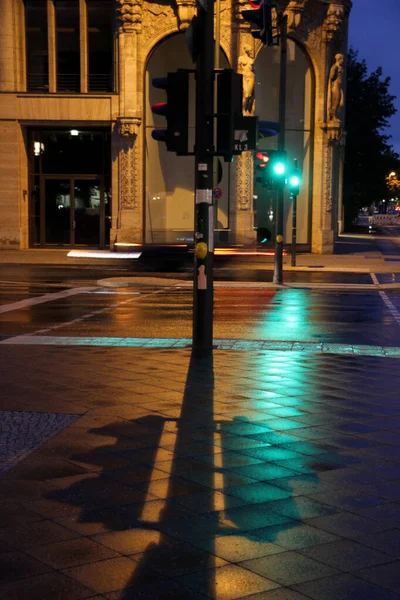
x,y
18,565
346,524
35,534
45,587
227,583
293,536
386,541
288,568
69,553
345,587
107,575
23,432
386,575
347,555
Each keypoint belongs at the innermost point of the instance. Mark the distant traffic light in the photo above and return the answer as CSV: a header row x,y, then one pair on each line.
x,y
295,182
279,168
295,179
175,110
260,20
271,168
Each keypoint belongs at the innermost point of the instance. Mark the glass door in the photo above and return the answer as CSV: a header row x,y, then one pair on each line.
x,y
73,211
88,212
56,212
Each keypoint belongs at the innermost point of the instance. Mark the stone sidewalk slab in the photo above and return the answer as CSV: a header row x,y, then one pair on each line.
x,y
261,474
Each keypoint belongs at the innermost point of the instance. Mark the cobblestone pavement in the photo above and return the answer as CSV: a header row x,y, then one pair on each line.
x,y
259,474
23,432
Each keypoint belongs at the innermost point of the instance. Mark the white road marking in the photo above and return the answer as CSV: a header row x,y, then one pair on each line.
x,y
89,315
391,307
42,299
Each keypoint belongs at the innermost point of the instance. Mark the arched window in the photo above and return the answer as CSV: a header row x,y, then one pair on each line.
x,y
299,130
169,179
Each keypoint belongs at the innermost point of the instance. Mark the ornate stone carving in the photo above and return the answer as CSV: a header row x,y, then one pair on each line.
x,y
333,131
130,14
328,175
238,6
244,187
128,176
334,20
129,126
186,11
294,11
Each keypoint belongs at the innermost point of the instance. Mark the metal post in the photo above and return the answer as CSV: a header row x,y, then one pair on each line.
x,y
294,223
294,226
278,264
204,209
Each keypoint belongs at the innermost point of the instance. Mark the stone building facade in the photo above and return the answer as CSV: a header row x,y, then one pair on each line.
x,y
78,166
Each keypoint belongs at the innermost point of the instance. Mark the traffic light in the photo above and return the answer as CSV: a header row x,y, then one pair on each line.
x,y
295,182
175,109
260,20
271,168
229,104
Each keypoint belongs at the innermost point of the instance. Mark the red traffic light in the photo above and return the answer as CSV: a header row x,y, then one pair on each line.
x,y
160,108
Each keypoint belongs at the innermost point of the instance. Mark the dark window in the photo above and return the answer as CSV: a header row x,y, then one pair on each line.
x,y
37,60
73,151
68,55
101,15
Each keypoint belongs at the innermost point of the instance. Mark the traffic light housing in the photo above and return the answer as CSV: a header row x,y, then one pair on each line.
x,y
294,182
176,111
271,168
235,133
260,20
229,104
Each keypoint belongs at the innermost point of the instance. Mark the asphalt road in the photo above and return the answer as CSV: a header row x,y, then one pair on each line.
x,y
67,302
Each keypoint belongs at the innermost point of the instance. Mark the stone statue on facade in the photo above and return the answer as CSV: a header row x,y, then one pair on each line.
x,y
246,68
335,90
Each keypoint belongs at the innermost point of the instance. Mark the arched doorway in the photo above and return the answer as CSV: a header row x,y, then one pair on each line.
x,y
299,132
169,179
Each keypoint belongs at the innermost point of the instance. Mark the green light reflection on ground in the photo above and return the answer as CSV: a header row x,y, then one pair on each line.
x,y
284,355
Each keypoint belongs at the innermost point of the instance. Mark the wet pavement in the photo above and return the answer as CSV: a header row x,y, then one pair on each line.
x,y
259,475
268,470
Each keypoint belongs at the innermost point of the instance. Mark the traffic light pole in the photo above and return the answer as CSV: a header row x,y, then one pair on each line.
x,y
278,263
204,209
294,223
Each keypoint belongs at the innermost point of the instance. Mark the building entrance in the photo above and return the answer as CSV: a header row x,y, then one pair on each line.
x,y
70,202
73,211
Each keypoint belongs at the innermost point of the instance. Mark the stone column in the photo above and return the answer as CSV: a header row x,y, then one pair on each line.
x,y
127,135
329,131
241,206
83,44
8,66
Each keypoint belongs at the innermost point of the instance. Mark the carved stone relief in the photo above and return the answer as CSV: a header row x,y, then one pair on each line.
x,y
130,13
158,18
186,11
294,11
334,20
128,182
129,126
244,181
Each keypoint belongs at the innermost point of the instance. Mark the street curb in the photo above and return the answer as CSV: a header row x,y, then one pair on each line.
x,y
119,282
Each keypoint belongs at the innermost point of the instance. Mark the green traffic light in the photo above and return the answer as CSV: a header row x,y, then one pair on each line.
x,y
295,181
279,168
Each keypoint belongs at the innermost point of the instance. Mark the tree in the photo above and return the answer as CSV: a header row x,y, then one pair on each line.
x,y
369,155
393,184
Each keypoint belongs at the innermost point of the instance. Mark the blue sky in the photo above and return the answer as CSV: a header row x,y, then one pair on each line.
x,y
375,33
